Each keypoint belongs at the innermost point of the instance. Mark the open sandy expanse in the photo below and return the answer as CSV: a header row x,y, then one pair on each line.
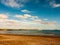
x,y
28,40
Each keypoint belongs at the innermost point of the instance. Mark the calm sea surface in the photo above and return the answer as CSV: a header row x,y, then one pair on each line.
x,y
32,32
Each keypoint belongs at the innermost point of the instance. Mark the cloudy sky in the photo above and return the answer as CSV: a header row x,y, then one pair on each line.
x,y
30,14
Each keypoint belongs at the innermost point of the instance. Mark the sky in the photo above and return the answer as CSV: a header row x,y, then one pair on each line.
x,y
30,14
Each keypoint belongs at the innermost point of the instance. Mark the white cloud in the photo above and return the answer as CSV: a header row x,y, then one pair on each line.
x,y
45,19
27,15
15,24
6,23
19,16
35,17
51,23
37,23
3,16
18,24
54,4
37,20
11,3
25,11
23,16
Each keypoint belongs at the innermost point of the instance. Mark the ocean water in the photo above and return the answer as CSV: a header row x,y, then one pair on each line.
x,y
32,32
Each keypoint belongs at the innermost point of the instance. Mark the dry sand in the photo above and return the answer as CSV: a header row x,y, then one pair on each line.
x,y
28,40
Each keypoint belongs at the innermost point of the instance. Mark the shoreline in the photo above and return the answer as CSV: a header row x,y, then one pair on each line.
x,y
32,35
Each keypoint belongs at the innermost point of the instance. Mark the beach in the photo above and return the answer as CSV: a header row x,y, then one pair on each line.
x,y
28,40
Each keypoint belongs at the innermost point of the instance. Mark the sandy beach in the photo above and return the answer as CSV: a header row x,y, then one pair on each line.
x,y
28,40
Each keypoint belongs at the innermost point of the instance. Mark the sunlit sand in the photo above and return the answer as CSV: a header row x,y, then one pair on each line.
x,y
28,40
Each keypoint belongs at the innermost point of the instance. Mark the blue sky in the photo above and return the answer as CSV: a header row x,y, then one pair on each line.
x,y
37,14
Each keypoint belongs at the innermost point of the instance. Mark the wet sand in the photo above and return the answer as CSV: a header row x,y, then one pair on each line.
x,y
28,40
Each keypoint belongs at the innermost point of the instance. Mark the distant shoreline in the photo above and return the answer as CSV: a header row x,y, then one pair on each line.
x,y
33,35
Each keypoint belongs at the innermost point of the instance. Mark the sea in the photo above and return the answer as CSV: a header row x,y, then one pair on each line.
x,y
32,32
